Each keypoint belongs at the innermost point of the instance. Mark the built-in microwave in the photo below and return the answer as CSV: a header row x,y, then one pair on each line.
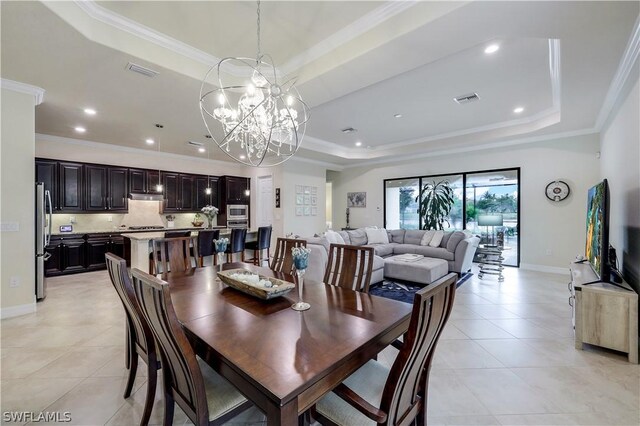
x,y
237,212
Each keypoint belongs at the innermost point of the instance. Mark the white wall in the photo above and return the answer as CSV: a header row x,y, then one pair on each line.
x,y
545,226
294,173
620,159
17,249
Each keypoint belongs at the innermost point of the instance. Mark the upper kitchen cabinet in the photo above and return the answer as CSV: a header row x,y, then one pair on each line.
x,y
70,191
179,192
117,189
200,197
185,201
106,188
171,189
47,172
138,181
233,189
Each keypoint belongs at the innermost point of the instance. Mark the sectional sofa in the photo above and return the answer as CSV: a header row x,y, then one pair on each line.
x,y
456,247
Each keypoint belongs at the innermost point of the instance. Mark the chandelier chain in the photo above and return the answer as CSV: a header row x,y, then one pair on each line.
x,y
258,31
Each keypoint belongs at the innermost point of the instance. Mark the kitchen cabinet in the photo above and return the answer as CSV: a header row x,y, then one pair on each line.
x,y
96,248
153,179
70,190
138,181
179,192
53,265
117,189
73,255
95,178
80,253
200,197
171,188
185,200
47,172
116,245
233,189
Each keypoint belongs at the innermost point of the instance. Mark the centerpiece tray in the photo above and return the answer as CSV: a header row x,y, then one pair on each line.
x,y
279,287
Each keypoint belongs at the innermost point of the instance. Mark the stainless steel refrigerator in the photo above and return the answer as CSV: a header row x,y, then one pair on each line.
x,y
44,212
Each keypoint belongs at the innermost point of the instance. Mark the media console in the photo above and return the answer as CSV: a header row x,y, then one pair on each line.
x,y
603,314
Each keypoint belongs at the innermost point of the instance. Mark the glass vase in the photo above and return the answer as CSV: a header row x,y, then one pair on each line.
x,y
300,305
220,255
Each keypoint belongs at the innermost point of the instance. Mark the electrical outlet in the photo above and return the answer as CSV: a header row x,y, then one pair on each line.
x,y
109,218
72,219
14,282
10,226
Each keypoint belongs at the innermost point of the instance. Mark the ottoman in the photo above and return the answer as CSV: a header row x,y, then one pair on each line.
x,y
424,271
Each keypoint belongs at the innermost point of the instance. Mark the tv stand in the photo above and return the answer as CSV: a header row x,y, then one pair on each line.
x,y
604,314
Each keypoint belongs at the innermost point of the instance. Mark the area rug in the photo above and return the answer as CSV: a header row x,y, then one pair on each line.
x,y
404,290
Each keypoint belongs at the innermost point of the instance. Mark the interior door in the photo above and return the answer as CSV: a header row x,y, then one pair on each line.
x,y
265,201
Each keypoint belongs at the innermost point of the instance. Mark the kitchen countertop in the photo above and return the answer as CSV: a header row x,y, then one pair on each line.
x,y
125,231
142,236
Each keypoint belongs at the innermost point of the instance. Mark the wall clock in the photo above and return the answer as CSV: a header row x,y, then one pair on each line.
x,y
557,190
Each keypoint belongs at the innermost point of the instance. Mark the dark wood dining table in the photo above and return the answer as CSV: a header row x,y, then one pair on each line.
x,y
283,360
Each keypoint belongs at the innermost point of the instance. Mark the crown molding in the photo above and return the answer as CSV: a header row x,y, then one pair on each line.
x,y
627,62
339,38
328,165
467,149
16,86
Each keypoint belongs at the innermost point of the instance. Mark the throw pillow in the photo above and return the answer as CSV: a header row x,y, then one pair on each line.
x,y
377,236
333,237
426,239
454,240
358,237
437,239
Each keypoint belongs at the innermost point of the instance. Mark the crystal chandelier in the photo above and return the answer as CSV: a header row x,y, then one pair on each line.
x,y
260,122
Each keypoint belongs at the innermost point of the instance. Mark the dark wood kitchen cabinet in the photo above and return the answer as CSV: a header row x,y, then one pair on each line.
x,y
185,200
138,181
73,255
71,185
53,265
117,189
153,179
171,189
179,192
47,172
116,245
80,253
200,196
95,178
97,247
233,189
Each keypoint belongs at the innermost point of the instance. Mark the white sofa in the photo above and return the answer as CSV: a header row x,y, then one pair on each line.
x,y
456,247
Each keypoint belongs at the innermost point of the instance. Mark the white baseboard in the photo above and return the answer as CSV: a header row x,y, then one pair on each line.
x,y
15,311
545,268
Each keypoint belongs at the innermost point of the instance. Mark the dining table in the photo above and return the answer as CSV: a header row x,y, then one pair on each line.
x,y
283,360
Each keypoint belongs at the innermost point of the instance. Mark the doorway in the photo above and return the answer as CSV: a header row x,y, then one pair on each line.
x,y
264,199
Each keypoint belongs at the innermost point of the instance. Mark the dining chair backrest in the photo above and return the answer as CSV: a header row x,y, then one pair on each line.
x,y
205,242
283,259
181,372
349,267
405,392
236,240
173,254
177,234
139,331
264,237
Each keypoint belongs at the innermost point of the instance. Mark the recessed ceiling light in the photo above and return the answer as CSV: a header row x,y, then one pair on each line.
x,y
518,110
80,129
492,48
358,143
242,157
150,141
398,115
201,150
90,111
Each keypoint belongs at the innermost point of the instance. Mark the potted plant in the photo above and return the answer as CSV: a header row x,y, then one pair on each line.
x,y
437,200
170,220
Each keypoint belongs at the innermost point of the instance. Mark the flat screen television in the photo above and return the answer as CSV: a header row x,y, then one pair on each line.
x,y
597,244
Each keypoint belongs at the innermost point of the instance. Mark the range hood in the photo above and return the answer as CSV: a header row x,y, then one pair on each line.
x,y
141,196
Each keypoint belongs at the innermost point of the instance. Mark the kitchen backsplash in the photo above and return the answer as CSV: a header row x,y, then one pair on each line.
x,y
141,213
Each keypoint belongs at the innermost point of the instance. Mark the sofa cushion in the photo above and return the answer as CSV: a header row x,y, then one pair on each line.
x,y
377,236
322,241
413,236
334,238
383,250
405,248
445,238
378,263
454,240
437,252
426,238
345,237
396,236
436,239
358,237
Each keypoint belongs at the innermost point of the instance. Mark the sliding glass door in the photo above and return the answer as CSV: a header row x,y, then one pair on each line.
x,y
486,203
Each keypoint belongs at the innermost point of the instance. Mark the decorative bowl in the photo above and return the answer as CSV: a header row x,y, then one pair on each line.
x,y
197,224
279,288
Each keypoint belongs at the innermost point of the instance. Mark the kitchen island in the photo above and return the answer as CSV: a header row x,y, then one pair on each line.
x,y
141,244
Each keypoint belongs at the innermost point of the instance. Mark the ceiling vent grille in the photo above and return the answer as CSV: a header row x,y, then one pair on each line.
x,y
142,70
349,130
465,99
194,143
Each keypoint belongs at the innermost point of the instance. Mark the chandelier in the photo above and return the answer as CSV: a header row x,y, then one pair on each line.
x,y
259,121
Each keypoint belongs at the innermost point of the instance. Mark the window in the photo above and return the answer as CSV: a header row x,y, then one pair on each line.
x,y
401,207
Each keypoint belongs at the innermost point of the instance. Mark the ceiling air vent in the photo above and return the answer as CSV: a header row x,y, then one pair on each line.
x,y
465,99
194,143
141,70
349,130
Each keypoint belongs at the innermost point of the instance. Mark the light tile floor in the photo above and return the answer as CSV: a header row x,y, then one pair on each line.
x,y
506,357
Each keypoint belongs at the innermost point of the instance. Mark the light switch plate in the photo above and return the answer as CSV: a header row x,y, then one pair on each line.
x,y
9,227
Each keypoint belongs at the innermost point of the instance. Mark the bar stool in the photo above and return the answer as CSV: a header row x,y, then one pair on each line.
x,y
169,234
236,243
262,243
206,246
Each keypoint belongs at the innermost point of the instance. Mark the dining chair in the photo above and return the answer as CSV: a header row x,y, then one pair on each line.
x,y
236,243
375,394
204,396
206,246
349,267
140,343
167,234
283,259
173,254
262,243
